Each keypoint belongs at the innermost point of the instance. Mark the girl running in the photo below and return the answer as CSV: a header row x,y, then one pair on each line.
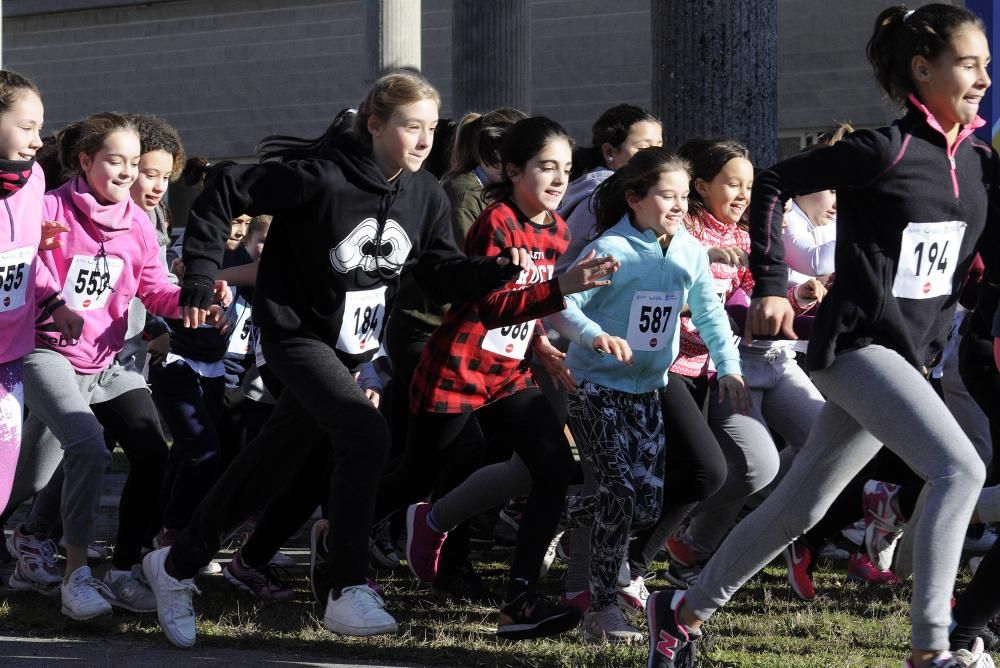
x,y
616,415
347,216
912,206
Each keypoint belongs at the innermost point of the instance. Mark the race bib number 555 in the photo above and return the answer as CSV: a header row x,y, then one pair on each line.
x,y
14,267
928,253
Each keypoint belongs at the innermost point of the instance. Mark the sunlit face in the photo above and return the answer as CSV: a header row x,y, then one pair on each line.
x,y
21,126
640,135
151,185
111,171
664,206
820,207
255,243
539,186
404,140
952,86
237,232
727,195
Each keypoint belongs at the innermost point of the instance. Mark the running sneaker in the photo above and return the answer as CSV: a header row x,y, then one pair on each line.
x,y
800,561
211,568
318,576
264,583
633,597
679,550
174,609
533,616
974,657
855,533
577,599
129,590
465,585
36,568
983,543
423,544
83,596
550,555
358,611
381,548
166,538
609,625
861,569
512,513
883,521
683,577
671,644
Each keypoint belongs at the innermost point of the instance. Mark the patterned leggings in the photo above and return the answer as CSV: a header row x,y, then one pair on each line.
x,y
11,416
620,438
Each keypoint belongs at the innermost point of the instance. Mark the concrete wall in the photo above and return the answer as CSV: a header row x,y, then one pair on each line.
x,y
228,72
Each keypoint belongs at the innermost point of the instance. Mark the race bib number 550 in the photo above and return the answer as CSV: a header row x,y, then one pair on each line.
x,y
928,254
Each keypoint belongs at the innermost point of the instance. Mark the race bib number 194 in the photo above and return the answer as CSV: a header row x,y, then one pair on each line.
x,y
928,254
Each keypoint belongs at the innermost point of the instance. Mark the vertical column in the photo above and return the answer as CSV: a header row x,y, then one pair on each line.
x,y
392,32
715,72
490,55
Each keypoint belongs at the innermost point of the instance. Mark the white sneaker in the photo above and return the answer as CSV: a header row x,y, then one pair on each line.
x,y
358,612
608,624
83,596
633,597
211,568
174,609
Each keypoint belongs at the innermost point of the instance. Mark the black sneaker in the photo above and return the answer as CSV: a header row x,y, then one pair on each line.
x,y
317,562
533,616
466,585
683,577
670,644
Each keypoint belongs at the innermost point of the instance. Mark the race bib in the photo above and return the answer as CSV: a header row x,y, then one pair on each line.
x,y
510,341
652,317
928,254
364,317
90,281
14,267
242,326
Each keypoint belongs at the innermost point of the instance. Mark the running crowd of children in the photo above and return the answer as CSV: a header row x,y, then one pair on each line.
x,y
741,376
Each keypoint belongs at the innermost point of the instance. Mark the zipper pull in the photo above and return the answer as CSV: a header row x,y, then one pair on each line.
x,y
951,159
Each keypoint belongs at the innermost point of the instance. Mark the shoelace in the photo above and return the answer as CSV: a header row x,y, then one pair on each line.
x,y
362,591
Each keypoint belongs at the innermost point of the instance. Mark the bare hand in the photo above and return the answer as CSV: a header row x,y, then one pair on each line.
x,y
217,316
552,360
734,256
519,257
69,323
605,344
590,272
223,294
770,316
193,317
733,387
50,230
812,290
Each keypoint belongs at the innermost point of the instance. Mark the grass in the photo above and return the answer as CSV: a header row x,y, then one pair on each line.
x,y
847,625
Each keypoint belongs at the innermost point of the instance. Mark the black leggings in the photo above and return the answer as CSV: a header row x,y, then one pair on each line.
x,y
695,467
321,408
979,603
131,420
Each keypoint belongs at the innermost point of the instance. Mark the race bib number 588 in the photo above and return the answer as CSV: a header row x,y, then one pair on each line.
x,y
928,253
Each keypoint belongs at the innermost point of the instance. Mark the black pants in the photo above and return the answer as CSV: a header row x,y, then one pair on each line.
x,y
979,603
192,407
694,466
131,420
321,407
982,380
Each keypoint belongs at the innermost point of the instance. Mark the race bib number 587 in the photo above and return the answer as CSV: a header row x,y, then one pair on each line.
x,y
652,318
928,254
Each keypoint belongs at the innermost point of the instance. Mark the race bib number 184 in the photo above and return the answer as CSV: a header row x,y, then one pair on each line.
x,y
364,318
928,254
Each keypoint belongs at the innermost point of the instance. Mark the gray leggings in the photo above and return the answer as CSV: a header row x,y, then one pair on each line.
x,y
61,428
874,397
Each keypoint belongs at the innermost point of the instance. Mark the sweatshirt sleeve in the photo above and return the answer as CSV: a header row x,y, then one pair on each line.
x,y
855,161
448,275
46,285
234,190
709,316
809,252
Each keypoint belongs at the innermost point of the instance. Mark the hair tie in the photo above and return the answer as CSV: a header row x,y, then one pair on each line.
x,y
908,14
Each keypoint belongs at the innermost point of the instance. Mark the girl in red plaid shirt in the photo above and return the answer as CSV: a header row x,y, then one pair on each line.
x,y
475,362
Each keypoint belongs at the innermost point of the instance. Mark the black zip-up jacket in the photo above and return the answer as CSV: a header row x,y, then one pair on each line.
x,y
341,230
885,180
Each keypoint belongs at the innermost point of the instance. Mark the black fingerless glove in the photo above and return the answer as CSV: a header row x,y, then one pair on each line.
x,y
197,291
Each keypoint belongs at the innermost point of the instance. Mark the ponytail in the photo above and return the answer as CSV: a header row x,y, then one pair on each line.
x,y
479,137
287,147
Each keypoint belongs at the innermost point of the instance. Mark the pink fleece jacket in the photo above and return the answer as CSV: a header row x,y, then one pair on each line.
x,y
24,282
109,256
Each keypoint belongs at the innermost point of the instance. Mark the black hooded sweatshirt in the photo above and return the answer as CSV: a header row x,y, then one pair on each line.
x,y
902,250
341,235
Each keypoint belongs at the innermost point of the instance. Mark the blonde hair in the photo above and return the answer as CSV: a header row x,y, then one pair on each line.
x,y
388,93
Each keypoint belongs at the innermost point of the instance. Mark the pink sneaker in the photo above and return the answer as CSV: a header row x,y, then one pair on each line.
x,y
423,544
577,599
679,551
861,569
265,583
799,559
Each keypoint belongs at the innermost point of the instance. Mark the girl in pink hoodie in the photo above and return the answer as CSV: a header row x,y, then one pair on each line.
x,y
109,255
24,283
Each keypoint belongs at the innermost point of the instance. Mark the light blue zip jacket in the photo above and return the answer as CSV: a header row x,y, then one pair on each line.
x,y
642,305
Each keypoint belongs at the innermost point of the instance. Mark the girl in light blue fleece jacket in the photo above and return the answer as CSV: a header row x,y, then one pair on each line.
x,y
624,339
